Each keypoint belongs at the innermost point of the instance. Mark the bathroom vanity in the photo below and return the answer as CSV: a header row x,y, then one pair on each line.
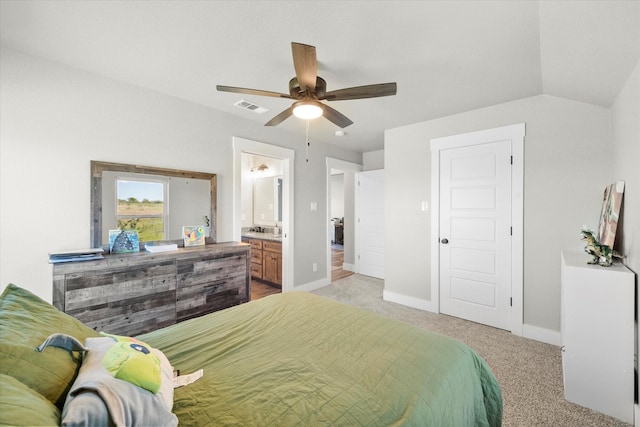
x,y
266,256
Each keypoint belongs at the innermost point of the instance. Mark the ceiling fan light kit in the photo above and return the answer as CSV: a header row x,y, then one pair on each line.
x,y
307,110
308,89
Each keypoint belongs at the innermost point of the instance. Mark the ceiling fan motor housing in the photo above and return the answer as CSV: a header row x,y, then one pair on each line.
x,y
297,92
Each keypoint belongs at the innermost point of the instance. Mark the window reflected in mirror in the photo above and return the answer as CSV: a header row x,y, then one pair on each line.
x,y
141,207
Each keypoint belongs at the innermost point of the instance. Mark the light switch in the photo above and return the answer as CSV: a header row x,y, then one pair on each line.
x,y
314,206
425,206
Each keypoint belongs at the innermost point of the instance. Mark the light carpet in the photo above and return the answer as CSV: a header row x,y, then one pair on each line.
x,y
529,372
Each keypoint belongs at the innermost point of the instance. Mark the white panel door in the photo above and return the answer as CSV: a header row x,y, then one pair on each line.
x,y
475,236
371,223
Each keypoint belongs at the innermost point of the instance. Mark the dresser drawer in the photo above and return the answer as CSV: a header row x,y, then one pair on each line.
x,y
195,301
210,284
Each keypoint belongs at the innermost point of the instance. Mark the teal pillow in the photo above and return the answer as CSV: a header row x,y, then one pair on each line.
x,y
25,322
22,406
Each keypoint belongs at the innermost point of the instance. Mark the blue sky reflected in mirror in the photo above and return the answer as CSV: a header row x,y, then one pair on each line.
x,y
152,191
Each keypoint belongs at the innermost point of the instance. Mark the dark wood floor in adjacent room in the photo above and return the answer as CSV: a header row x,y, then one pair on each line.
x,y
337,260
260,290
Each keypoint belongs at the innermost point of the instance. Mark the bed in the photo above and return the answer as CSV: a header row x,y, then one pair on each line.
x,y
288,359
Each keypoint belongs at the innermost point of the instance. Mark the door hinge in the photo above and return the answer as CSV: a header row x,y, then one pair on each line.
x,y
511,302
511,159
510,231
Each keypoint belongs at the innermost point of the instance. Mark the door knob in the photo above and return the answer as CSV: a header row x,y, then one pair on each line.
x,y
444,241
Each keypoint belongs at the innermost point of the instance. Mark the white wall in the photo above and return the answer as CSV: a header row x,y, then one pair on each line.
x,y
337,195
567,165
56,119
373,160
625,118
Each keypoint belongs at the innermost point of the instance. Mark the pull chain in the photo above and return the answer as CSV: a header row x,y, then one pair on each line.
x,y
308,141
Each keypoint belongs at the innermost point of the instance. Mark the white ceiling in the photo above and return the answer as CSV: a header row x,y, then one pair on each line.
x,y
446,56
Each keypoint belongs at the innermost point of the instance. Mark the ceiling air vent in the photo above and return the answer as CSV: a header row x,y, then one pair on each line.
x,y
246,105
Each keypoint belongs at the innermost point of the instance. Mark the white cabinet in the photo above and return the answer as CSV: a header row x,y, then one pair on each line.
x,y
598,306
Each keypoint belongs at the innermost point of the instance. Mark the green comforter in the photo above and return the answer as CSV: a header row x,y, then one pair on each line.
x,y
300,359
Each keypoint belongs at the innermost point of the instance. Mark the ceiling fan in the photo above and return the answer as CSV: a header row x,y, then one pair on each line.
x,y
308,89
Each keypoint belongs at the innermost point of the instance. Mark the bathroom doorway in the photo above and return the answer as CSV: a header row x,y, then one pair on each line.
x,y
261,157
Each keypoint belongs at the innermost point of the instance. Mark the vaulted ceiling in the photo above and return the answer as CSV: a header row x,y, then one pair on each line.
x,y
446,56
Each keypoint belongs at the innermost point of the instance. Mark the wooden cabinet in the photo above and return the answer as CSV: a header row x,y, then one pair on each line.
x,y
598,305
256,258
129,294
266,260
272,262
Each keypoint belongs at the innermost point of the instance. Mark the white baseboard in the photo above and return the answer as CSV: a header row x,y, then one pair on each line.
x,y
541,334
349,267
312,286
412,302
528,331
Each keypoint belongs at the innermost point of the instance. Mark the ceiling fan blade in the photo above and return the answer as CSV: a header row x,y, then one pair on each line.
x,y
335,116
280,117
360,92
305,64
252,91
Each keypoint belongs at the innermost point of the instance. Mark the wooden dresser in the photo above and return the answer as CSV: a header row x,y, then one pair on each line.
x,y
130,294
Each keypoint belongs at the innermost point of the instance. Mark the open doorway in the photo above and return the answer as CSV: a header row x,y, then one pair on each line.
x,y
341,247
252,155
262,221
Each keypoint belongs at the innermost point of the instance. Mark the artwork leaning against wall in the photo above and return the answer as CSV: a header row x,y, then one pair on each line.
x,y
610,213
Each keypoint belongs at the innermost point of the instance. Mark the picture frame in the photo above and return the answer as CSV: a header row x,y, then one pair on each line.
x,y
610,213
123,241
193,235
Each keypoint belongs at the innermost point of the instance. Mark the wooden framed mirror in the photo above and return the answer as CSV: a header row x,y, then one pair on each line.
x,y
191,195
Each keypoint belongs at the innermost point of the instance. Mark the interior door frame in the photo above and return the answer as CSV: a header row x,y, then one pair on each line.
x,y
515,133
345,166
242,145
